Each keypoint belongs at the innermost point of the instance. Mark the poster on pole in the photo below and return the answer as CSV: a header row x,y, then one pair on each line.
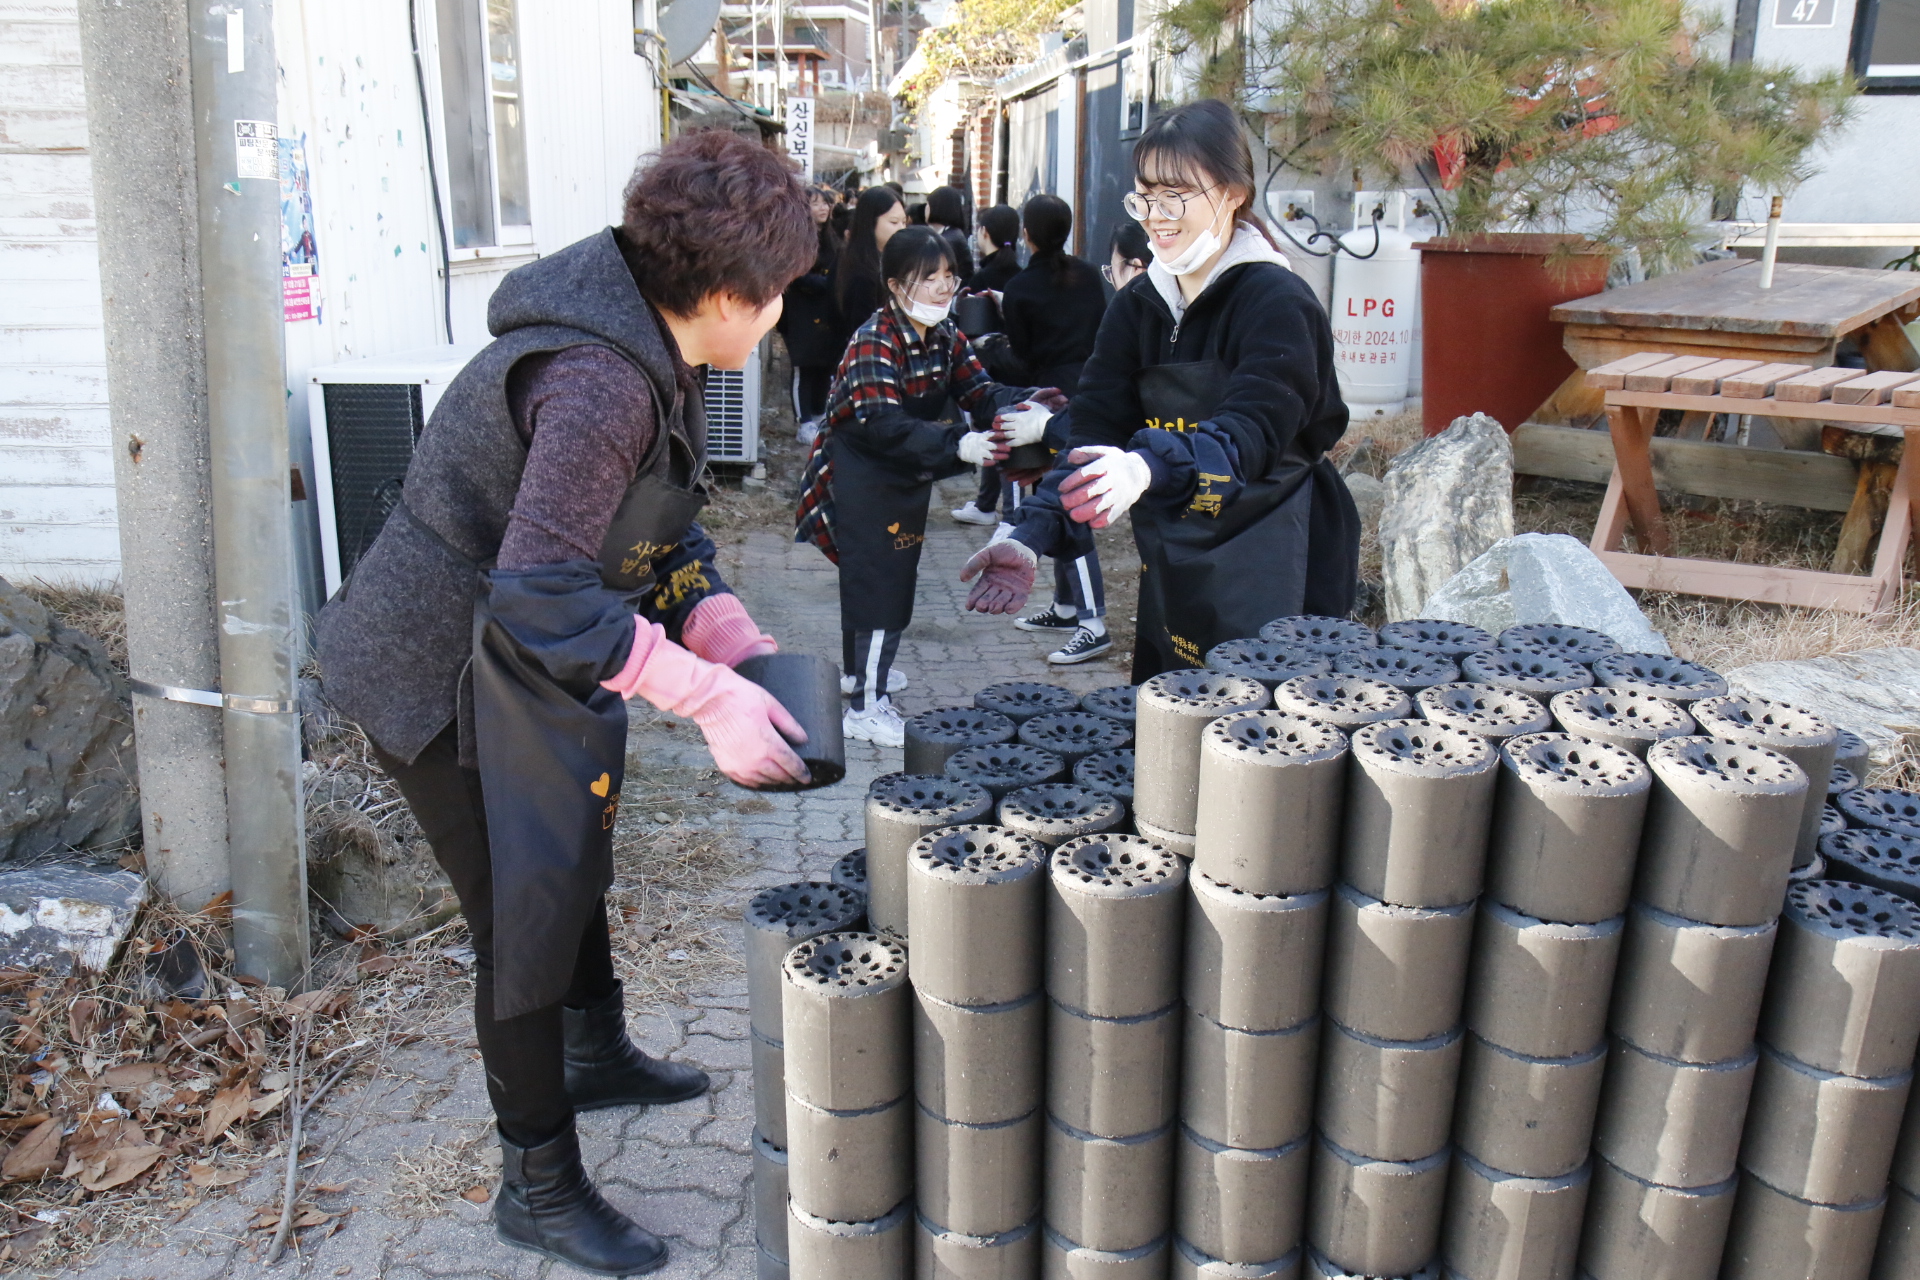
x,y
800,134
299,253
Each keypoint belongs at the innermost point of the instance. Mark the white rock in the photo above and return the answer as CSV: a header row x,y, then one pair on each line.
x,y
58,919
1875,692
1544,577
1448,499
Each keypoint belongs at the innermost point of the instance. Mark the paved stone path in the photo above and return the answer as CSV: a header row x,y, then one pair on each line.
x,y
682,1171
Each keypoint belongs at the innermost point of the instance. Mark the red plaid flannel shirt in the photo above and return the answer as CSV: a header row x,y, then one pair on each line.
x,y
885,365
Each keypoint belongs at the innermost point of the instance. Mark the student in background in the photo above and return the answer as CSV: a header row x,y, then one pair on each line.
x,y
1052,311
811,324
884,441
858,289
1127,256
947,214
995,237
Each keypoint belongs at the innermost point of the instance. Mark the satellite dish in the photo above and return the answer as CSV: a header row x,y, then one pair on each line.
x,y
685,25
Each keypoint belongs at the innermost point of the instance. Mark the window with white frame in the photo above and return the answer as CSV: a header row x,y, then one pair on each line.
x,y
485,122
1886,45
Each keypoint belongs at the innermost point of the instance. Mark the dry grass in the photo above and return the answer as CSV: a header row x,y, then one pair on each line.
x,y
97,611
424,1180
668,914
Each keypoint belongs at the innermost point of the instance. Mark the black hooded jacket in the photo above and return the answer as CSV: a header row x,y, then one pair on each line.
x,y
1280,398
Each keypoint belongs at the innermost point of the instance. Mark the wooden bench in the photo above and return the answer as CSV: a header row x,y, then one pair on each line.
x,y
1637,387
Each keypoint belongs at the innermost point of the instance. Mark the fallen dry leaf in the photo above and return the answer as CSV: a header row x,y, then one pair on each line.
x,y
262,1105
132,1075
479,1195
227,1106
38,1152
377,965
318,1002
202,1174
122,1164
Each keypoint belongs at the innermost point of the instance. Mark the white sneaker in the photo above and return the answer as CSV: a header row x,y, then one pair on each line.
x,y
972,514
896,681
879,724
807,431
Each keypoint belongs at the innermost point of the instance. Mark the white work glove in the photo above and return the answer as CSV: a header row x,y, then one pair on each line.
x,y
978,449
1023,424
1108,483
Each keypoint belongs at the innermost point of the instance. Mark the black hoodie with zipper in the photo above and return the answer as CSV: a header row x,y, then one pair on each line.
x,y
1279,400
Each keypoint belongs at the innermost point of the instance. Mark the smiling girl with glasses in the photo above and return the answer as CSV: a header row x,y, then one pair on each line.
x,y
1205,415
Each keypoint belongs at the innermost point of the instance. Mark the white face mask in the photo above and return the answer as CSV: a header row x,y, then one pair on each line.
x,y
927,313
1204,246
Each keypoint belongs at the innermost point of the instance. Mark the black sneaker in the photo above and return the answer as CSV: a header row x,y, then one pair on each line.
x,y
1084,647
1047,620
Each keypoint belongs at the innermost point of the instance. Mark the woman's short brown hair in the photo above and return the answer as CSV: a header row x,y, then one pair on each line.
x,y
714,212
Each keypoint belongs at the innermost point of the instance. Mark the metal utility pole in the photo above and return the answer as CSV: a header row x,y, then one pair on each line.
x,y
212,355
237,150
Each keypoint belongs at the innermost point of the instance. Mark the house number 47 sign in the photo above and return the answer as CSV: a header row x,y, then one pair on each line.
x,y
1803,13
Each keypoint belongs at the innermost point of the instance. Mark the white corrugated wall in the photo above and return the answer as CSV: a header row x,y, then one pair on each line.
x,y
56,474
348,88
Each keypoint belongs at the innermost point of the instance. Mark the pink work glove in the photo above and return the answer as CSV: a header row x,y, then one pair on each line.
x,y
741,721
1005,569
719,630
1108,482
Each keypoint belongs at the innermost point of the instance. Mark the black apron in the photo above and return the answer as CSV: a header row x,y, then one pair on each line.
x,y
879,526
553,753
1206,578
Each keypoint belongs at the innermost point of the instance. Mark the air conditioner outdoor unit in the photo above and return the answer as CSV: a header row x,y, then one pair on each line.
x,y
733,412
365,417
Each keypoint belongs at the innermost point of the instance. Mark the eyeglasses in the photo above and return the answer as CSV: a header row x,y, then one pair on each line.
x,y
934,290
1106,273
1170,205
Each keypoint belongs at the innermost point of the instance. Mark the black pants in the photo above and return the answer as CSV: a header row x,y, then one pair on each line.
x,y
869,659
525,1075
810,386
1077,581
988,499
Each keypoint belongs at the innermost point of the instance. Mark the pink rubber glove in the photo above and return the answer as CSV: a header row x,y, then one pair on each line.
x,y
741,722
1005,569
719,630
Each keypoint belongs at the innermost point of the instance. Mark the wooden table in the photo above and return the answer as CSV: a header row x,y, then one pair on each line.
x,y
1882,506
1719,309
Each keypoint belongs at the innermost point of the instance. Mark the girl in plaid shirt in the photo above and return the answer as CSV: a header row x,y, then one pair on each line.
x,y
886,438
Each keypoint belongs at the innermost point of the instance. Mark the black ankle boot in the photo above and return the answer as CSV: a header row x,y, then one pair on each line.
x,y
605,1069
547,1205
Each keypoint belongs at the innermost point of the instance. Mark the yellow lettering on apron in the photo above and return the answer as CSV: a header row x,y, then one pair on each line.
x,y
687,577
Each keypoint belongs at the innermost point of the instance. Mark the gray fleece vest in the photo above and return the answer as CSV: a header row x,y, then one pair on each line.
x,y
393,642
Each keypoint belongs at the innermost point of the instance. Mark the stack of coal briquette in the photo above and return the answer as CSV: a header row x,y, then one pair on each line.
x,y
1353,954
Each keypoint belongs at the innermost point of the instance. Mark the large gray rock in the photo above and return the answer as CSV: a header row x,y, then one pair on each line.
x,y
1875,692
56,919
66,736
1448,499
1544,577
